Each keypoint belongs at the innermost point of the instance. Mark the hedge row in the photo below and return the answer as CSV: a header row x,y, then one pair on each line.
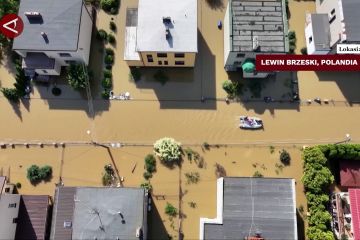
x,y
317,179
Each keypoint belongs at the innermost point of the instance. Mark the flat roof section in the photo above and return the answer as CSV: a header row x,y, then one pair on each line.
x,y
256,205
321,31
258,21
151,31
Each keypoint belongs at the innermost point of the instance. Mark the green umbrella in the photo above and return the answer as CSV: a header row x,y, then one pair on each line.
x,y
248,67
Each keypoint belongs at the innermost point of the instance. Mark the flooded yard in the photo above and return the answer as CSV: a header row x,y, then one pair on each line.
x,y
83,166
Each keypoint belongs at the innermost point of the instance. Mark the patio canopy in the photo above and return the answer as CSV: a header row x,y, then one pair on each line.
x,y
248,67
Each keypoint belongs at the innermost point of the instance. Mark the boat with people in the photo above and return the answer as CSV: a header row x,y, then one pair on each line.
x,y
247,122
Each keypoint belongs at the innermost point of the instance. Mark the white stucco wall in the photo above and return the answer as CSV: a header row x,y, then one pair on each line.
x,y
335,27
85,35
226,35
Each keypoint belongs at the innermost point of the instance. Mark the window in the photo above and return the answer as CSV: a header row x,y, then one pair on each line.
x,y
161,55
237,62
333,11
160,62
310,39
149,58
240,55
7,189
44,71
70,62
12,205
179,55
179,62
166,63
332,19
64,54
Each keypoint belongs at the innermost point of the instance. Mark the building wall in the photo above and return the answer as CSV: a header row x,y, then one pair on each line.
x,y
227,47
309,33
327,6
85,35
188,59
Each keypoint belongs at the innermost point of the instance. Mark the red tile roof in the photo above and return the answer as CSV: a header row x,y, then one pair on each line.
x,y
350,173
354,195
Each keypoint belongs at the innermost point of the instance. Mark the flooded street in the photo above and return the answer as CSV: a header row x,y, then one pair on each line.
x,y
175,110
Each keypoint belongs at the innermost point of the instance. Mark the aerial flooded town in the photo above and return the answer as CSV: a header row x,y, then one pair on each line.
x,y
151,119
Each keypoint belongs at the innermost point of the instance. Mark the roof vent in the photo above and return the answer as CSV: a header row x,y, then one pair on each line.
x,y
166,20
32,14
67,224
255,43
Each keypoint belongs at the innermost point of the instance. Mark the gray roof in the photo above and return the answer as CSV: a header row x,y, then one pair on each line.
x,y
269,201
351,19
151,35
7,226
265,19
37,60
321,31
60,21
98,213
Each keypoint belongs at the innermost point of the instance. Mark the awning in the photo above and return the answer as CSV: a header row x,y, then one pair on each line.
x,y
248,67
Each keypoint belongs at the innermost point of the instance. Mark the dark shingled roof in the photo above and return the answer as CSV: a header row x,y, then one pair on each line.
x,y
268,201
350,173
261,18
351,19
32,220
60,21
63,210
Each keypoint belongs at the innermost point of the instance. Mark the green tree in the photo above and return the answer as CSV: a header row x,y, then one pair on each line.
x,y
317,180
45,172
11,94
33,173
313,233
150,163
77,76
285,157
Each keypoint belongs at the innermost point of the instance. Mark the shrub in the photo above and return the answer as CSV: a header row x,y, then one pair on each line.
x,y
291,35
272,149
206,145
110,5
292,48
167,149
36,174
33,173
109,51
101,34
45,172
109,59
111,38
321,219
146,185
219,171
233,89
150,163
192,204
315,233
161,77
317,180
170,210
112,26
11,94
303,51
77,77
18,185
147,175
106,83
258,174
107,179
107,73
192,177
105,94
285,157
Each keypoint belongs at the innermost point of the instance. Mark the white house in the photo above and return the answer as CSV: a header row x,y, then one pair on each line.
x,y
336,21
252,28
162,33
56,33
